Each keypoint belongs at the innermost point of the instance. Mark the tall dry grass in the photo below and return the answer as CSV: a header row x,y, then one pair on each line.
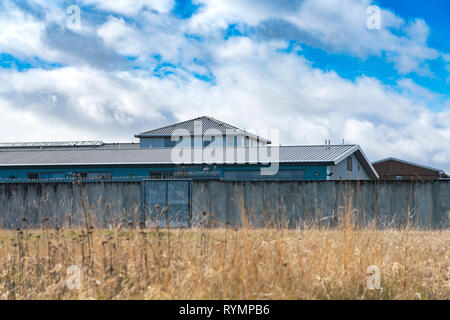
x,y
224,263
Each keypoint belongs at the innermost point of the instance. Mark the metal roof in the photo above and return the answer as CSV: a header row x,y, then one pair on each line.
x,y
207,124
132,154
319,154
29,146
115,154
10,145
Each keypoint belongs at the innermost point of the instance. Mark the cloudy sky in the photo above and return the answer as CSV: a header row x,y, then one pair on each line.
x,y
311,68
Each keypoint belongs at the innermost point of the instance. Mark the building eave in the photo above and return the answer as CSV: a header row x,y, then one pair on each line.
x,y
243,134
356,149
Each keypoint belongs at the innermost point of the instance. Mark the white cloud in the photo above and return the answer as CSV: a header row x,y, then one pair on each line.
x,y
334,25
162,34
20,33
308,105
256,85
415,91
131,7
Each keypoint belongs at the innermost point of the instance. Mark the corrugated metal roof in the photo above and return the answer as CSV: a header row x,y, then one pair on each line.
x,y
10,145
99,156
320,153
207,123
52,146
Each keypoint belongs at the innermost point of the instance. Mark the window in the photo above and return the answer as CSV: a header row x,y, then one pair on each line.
x,y
168,175
256,175
242,175
82,175
350,164
162,175
46,175
99,175
155,175
398,178
33,176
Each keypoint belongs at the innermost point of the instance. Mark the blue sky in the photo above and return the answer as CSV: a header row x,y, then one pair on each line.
x,y
310,68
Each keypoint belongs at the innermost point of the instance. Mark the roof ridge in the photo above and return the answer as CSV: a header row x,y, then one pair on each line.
x,y
173,124
103,148
223,123
53,141
321,145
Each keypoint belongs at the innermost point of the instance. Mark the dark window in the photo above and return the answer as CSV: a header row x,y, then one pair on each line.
x,y
155,175
46,175
51,175
350,164
33,176
168,175
256,175
99,175
82,175
162,175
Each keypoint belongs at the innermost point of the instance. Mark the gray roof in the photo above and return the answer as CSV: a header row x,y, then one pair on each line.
x,y
323,154
207,123
47,146
51,144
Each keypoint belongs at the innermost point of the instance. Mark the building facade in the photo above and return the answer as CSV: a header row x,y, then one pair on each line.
x,y
397,169
201,148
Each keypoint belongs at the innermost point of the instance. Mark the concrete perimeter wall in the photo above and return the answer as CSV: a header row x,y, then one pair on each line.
x,y
28,205
322,203
220,203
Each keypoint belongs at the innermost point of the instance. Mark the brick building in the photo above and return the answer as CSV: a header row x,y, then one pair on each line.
x,y
396,169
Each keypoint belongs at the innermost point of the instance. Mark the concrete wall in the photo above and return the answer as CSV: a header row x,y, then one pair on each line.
x,y
299,203
68,204
220,203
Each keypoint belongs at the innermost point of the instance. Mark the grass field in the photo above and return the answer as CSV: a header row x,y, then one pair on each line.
x,y
223,264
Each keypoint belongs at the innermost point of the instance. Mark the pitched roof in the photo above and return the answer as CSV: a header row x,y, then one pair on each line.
x,y
207,123
322,154
409,163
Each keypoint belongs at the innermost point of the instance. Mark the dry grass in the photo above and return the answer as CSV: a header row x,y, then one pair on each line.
x,y
224,264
